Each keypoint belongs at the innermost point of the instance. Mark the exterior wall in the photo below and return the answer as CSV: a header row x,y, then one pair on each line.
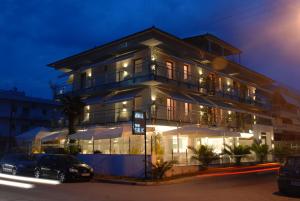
x,y
132,165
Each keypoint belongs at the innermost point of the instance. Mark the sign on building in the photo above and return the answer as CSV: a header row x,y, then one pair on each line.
x,y
138,123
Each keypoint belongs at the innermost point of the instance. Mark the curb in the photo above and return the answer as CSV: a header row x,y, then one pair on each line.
x,y
172,181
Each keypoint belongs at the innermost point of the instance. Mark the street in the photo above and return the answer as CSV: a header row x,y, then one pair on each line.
x,y
251,187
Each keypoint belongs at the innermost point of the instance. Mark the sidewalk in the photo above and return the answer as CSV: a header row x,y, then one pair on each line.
x,y
211,172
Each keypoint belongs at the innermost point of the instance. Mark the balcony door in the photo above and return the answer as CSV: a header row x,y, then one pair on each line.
x,y
171,109
83,80
170,69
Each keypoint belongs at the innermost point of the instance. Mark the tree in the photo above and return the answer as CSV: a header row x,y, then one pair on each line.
x,y
204,154
72,107
160,167
237,152
261,150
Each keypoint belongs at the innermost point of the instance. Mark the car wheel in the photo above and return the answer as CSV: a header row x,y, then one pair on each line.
x,y
62,177
37,174
14,171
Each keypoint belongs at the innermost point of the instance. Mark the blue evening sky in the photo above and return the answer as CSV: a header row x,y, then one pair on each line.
x,y
34,33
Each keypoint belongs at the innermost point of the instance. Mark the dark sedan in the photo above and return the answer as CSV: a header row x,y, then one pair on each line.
x,y
62,167
17,164
289,175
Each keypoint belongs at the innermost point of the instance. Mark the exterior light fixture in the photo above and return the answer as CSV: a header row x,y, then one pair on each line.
x,y
229,112
124,110
125,73
201,80
153,67
228,83
124,102
200,72
153,58
201,106
125,64
153,98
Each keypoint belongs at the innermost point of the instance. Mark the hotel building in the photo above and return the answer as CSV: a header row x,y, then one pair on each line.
x,y
194,91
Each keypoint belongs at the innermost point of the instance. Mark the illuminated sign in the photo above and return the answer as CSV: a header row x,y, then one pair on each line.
x,y
138,123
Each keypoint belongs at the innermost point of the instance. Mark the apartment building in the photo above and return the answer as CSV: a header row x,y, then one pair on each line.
x,y
193,90
286,116
20,113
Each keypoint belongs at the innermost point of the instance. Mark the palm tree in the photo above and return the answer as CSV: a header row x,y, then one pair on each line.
x,y
237,152
160,167
72,109
261,150
204,154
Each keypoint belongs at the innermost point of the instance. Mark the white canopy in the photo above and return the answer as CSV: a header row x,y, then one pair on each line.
x,y
56,135
98,133
202,132
33,134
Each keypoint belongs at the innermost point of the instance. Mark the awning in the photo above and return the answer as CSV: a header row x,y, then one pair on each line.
x,y
123,95
57,135
225,105
176,95
201,132
290,100
33,134
98,133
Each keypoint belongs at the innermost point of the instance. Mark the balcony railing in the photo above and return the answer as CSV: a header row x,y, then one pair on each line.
x,y
161,114
155,71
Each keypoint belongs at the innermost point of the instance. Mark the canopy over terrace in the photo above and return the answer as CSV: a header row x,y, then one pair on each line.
x,y
33,135
97,133
202,132
55,135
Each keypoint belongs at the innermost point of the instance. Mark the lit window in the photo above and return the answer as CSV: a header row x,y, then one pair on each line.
x,y
138,66
186,71
170,69
180,144
187,108
171,107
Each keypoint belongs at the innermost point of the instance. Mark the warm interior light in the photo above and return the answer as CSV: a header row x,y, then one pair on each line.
x,y
153,98
201,106
246,135
200,71
125,73
229,112
124,102
124,110
87,107
153,58
125,64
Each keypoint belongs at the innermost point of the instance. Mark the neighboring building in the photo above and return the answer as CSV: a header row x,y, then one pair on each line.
x,y
193,91
286,113
19,113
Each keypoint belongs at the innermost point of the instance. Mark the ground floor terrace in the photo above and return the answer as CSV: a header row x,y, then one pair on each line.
x,y
163,141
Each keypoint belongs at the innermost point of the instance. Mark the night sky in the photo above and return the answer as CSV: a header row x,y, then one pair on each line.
x,y
35,33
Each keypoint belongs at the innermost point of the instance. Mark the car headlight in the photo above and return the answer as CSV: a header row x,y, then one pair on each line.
x,y
73,170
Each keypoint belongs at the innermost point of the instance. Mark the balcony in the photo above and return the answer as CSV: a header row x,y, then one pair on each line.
x,y
157,72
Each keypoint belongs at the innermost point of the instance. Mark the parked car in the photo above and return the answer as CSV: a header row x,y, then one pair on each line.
x,y
62,167
17,164
289,175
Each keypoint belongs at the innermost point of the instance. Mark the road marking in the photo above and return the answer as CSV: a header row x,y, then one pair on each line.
x,y
16,184
29,179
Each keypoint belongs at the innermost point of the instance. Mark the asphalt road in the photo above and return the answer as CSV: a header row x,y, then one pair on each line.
x,y
253,187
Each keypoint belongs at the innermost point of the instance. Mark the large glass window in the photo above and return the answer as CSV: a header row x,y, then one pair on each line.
x,y
170,70
138,66
186,71
171,108
180,144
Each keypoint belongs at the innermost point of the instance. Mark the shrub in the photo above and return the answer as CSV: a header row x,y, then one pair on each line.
x,y
204,154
